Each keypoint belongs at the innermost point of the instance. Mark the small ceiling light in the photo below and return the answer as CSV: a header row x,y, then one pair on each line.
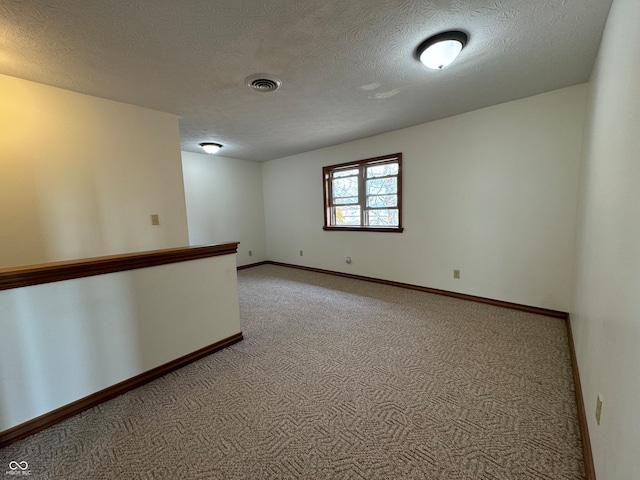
x,y
211,147
440,50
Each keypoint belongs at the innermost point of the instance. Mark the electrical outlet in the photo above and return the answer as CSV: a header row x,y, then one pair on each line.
x,y
598,408
250,253
456,274
155,219
300,252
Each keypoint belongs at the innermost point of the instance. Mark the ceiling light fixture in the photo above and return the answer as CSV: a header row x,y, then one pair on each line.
x,y
440,50
211,147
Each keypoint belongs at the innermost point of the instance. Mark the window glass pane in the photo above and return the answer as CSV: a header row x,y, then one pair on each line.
x,y
382,186
348,201
345,173
381,201
347,215
345,187
382,170
383,218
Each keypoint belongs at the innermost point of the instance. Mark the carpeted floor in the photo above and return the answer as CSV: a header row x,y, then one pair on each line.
x,y
340,379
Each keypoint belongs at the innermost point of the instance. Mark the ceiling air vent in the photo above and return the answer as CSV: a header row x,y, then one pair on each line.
x,y
263,83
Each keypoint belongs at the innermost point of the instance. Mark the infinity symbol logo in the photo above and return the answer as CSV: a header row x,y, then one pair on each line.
x,y
13,465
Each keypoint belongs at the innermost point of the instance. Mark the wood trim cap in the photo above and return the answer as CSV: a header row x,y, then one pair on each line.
x,y
24,276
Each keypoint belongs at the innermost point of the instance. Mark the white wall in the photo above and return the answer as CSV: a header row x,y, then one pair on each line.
x,y
606,310
492,192
80,176
225,203
65,340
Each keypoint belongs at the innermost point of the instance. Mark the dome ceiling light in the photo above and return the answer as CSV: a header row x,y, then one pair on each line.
x,y
440,50
211,147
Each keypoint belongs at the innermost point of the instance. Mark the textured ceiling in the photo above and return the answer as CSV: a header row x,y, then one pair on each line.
x,y
347,67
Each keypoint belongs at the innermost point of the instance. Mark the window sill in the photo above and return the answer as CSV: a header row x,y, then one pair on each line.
x,y
364,229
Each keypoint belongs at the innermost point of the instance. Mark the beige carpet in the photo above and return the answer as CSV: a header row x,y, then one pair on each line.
x,y
340,379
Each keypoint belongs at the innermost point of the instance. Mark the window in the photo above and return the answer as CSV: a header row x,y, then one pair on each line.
x,y
365,195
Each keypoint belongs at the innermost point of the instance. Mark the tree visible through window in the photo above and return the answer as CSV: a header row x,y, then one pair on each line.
x,y
364,195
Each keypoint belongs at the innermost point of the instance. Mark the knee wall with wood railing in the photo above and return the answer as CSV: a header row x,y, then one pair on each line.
x,y
75,333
